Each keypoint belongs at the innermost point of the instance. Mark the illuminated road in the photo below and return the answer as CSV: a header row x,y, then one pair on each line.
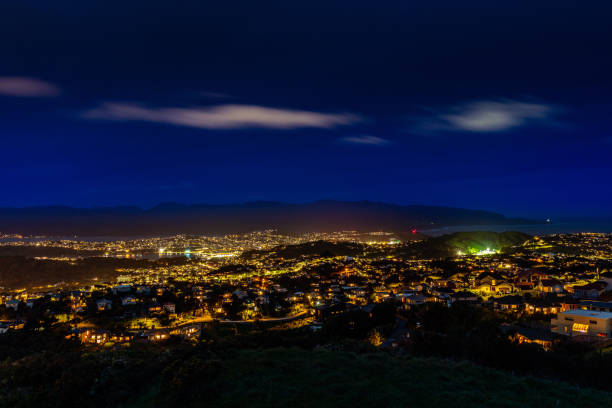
x,y
208,320
269,319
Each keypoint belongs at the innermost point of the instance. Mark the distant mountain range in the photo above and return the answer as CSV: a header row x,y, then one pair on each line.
x,y
173,218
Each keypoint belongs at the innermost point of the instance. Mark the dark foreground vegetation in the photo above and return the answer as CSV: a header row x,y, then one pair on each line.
x,y
273,377
456,357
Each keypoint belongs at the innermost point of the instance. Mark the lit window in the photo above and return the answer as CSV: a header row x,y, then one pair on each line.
x,y
580,327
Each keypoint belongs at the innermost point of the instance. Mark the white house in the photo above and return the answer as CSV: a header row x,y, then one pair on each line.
x,y
580,322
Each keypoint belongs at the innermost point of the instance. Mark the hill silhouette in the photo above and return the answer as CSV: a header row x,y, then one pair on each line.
x,y
436,247
172,218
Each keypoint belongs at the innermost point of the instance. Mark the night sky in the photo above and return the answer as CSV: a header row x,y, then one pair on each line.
x,y
497,105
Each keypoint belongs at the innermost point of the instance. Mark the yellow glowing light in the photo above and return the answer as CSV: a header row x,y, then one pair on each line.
x,y
580,327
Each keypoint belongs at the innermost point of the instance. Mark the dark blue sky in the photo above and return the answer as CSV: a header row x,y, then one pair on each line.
x,y
504,106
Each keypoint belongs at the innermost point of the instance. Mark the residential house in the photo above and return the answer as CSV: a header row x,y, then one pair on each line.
x,y
465,296
550,286
596,306
509,303
78,306
543,306
156,334
495,287
263,299
95,336
539,336
590,290
129,301
104,304
325,311
143,290
528,279
122,289
190,331
240,294
169,307
121,338
154,308
580,322
412,299
12,304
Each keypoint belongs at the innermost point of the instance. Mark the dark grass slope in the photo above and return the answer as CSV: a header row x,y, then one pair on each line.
x,y
298,378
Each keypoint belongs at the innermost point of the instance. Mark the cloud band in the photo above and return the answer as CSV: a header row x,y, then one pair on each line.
x,y
222,116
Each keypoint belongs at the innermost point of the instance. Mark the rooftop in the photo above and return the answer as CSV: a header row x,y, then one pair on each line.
x,y
596,303
587,313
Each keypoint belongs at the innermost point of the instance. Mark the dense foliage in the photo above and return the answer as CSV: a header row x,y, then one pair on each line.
x,y
289,365
276,377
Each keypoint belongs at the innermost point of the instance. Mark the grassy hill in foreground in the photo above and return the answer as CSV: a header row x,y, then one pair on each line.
x,y
299,378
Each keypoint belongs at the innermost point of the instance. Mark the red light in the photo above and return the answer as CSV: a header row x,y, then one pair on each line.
x,y
414,231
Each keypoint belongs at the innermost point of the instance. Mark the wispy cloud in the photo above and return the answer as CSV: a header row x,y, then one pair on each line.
x,y
222,116
365,140
488,116
214,95
27,87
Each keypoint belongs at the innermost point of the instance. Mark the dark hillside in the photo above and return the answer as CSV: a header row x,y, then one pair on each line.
x,y
318,216
280,377
470,242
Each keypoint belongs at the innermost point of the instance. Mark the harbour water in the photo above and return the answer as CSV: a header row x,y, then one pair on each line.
x,y
561,227
556,227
